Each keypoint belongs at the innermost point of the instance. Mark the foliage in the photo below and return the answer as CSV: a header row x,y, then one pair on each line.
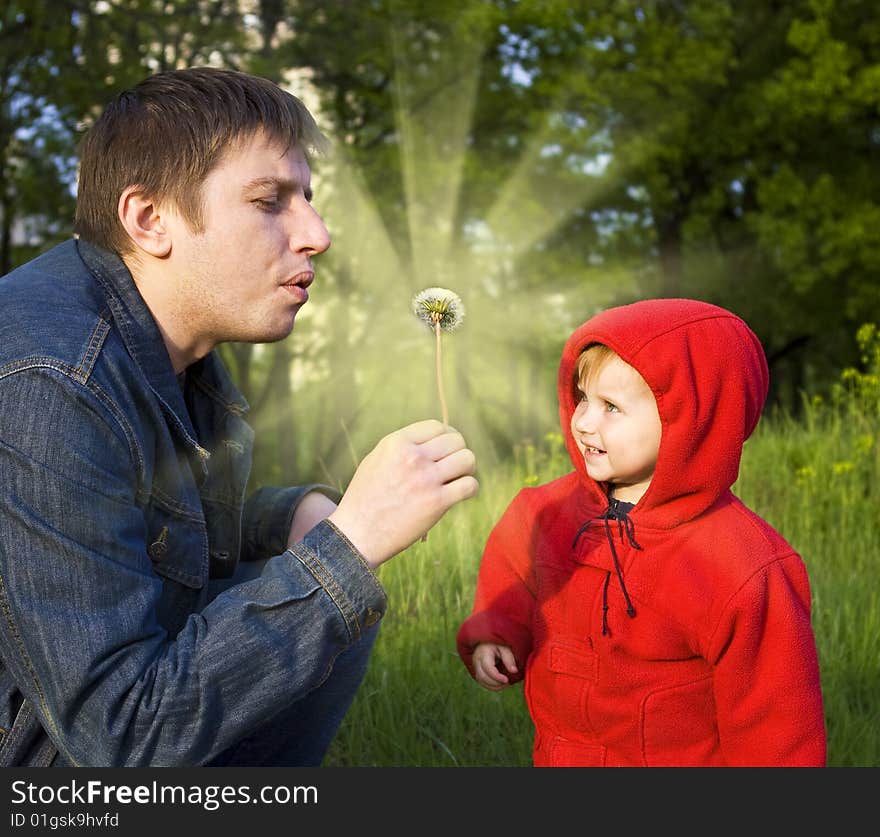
x,y
555,158
740,138
860,388
60,61
545,158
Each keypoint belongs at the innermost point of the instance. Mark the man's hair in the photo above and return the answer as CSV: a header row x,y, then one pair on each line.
x,y
590,361
168,132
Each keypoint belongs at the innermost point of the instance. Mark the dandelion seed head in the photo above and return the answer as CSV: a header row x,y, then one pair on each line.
x,y
439,305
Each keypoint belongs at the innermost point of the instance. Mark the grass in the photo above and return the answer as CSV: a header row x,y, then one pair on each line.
x,y
418,705
815,478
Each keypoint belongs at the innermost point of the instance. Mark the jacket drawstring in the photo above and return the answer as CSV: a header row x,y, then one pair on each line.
x,y
627,528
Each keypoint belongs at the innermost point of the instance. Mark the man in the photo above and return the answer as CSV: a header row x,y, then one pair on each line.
x,y
151,616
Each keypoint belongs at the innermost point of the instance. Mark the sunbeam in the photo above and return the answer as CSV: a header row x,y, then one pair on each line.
x,y
500,366
433,118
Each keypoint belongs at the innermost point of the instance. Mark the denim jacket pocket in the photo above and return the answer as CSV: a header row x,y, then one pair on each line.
x,y
177,544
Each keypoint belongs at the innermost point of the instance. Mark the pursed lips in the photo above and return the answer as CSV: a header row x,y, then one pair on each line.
x,y
298,285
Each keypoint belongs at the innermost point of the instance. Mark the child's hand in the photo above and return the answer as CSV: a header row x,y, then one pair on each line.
x,y
492,663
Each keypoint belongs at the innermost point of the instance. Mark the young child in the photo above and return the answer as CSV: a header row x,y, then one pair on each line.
x,y
657,620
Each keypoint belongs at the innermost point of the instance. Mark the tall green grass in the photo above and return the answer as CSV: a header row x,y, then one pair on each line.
x,y
814,477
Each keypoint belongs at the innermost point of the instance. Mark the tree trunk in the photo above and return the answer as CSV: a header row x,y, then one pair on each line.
x,y
669,249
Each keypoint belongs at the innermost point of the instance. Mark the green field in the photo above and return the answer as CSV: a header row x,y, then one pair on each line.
x,y
814,477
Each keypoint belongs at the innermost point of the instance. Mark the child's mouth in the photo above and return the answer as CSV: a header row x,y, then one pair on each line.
x,y
589,450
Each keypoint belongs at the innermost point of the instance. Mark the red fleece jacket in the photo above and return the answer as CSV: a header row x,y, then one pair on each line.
x,y
716,664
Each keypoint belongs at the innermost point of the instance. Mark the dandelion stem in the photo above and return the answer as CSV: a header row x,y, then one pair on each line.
x,y
440,373
441,310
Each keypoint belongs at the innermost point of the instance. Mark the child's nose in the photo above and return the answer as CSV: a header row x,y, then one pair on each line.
x,y
584,419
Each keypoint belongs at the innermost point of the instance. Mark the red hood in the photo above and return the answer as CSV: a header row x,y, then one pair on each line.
x,y
709,375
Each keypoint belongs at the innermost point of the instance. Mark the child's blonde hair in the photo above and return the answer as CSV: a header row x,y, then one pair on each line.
x,y
590,361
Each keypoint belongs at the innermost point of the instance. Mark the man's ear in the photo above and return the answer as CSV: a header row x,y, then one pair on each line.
x,y
144,221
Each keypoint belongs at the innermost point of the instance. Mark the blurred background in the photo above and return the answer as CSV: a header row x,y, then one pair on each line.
x,y
543,159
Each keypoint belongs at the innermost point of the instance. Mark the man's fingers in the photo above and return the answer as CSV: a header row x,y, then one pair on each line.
x,y
444,444
422,431
460,489
458,464
403,487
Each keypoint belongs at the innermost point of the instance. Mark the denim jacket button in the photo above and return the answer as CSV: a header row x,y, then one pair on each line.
x,y
222,563
157,550
373,616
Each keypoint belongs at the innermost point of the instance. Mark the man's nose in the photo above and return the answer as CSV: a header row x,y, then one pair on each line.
x,y
309,234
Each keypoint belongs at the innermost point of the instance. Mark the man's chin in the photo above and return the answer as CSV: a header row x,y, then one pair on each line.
x,y
274,332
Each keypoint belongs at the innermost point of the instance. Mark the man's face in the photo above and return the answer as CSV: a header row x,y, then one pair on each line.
x,y
245,276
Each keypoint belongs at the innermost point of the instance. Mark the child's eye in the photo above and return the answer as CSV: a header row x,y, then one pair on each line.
x,y
611,408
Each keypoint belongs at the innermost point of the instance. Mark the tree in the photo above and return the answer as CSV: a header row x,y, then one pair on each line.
x,y
740,137
35,145
60,61
543,158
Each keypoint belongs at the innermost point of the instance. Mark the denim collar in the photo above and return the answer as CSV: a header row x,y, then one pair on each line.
x,y
144,343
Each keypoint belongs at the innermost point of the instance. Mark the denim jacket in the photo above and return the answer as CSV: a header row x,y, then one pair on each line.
x,y
121,493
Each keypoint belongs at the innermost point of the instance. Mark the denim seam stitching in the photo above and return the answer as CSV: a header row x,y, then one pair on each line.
x,y
23,364
120,317
176,574
14,733
336,593
227,504
216,395
73,373
113,300
326,580
377,585
28,663
93,349
170,504
16,635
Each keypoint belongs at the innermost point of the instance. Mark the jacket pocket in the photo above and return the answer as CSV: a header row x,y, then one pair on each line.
x,y
560,682
178,546
680,726
573,659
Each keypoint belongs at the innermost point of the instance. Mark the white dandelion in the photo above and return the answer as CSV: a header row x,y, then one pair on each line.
x,y
441,310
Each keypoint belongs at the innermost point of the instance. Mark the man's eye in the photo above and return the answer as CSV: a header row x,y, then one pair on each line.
x,y
267,204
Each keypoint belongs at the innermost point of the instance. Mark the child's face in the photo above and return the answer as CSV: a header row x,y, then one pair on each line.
x,y
617,429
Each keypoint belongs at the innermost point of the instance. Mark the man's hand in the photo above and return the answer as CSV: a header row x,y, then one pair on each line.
x,y
403,487
311,510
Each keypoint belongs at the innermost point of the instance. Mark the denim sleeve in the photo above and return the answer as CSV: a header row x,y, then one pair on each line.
x,y
79,629
268,514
